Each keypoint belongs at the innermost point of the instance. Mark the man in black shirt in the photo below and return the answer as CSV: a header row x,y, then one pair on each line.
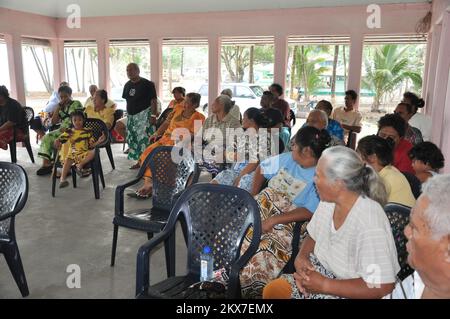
x,y
11,114
140,95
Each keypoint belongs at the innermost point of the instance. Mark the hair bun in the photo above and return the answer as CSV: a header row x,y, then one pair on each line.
x,y
421,103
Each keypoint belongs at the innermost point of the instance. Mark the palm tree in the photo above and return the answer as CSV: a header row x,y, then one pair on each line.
x,y
307,74
387,71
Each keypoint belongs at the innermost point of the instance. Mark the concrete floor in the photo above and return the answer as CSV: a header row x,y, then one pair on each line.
x,y
74,228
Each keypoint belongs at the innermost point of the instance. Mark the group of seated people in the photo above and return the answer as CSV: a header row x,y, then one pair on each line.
x,y
336,192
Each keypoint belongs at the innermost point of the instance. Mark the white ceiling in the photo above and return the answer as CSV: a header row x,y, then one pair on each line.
x,y
93,8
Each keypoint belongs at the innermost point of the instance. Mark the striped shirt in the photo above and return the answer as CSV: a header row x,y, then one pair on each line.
x,y
363,247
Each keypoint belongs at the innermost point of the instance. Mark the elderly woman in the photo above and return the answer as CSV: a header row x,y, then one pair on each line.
x,y
349,251
215,131
61,115
99,110
290,197
428,234
319,119
412,134
393,126
377,152
185,116
333,127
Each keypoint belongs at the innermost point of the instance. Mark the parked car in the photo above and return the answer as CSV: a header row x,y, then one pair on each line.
x,y
244,94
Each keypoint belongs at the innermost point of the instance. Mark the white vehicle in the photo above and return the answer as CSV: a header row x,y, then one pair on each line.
x,y
244,94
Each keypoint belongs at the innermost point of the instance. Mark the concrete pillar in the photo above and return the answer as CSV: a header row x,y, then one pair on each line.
x,y
281,55
214,47
156,65
103,64
16,76
355,63
442,78
432,63
59,74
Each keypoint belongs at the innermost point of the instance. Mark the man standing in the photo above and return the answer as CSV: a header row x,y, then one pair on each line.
x,y
349,118
140,95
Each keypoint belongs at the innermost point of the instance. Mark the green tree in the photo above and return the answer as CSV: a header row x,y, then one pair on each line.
x,y
387,67
237,59
307,70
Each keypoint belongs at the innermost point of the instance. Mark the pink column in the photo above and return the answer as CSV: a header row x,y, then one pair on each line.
x,y
442,77
432,63
214,47
156,67
103,64
427,66
280,67
14,48
355,63
445,145
59,74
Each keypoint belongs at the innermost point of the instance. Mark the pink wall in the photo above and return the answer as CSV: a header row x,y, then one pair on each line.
x,y
438,84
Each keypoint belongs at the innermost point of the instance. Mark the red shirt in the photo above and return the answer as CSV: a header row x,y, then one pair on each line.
x,y
401,159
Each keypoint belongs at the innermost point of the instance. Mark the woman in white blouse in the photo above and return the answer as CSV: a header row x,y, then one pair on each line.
x,y
418,120
349,251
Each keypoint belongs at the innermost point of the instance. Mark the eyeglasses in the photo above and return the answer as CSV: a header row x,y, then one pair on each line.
x,y
385,136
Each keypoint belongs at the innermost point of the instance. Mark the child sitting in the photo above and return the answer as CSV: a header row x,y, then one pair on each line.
x,y
82,144
426,159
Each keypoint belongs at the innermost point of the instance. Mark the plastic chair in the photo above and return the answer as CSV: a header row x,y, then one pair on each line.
x,y
398,216
29,115
169,179
13,196
164,115
351,141
217,216
98,127
293,118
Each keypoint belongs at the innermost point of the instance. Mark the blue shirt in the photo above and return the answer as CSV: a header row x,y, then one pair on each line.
x,y
334,128
288,177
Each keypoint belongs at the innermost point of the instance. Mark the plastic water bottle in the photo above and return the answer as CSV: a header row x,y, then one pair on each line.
x,y
206,264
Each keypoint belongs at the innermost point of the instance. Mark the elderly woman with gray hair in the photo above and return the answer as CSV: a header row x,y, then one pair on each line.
x,y
428,234
214,133
349,251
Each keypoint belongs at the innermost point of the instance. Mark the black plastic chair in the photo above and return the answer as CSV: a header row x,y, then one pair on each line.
x,y
351,141
163,117
98,127
398,216
414,182
293,119
13,196
169,180
217,216
29,115
298,234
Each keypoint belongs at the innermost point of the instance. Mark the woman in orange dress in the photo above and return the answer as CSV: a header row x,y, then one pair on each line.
x,y
183,117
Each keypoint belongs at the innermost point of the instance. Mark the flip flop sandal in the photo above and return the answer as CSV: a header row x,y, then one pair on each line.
x,y
63,184
138,195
